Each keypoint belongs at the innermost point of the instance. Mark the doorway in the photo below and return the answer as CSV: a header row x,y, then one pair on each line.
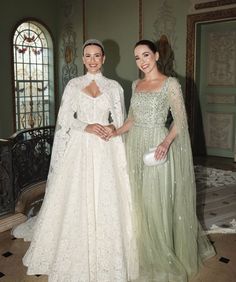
x,y
216,85
203,109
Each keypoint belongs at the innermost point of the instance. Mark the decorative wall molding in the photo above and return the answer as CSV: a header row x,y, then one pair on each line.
x,y
197,6
219,129
212,4
67,8
221,99
191,96
69,53
165,24
221,58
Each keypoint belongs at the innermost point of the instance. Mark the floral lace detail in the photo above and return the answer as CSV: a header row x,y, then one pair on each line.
x,y
84,230
69,116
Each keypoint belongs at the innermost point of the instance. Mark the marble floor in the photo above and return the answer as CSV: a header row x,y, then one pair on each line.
x,y
220,268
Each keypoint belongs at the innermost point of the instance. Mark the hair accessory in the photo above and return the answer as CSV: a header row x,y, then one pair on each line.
x,y
93,41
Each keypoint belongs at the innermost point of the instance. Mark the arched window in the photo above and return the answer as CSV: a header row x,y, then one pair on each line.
x,y
33,76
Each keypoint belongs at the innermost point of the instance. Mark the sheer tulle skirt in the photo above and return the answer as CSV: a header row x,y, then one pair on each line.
x,y
170,241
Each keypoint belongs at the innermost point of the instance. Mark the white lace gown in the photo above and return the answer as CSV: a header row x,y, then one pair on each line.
x,y
84,232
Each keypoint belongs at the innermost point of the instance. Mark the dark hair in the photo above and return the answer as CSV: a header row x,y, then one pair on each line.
x,y
152,46
90,44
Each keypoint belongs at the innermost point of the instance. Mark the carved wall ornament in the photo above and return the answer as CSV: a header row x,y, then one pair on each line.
x,y
165,24
69,53
221,58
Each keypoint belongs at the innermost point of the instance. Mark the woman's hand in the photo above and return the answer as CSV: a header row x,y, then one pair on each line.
x,y
112,134
97,129
109,128
110,131
162,149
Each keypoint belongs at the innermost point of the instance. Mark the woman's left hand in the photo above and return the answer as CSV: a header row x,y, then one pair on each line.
x,y
162,150
110,129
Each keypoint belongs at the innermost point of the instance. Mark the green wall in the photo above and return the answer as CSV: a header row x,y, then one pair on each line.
x,y
116,23
13,11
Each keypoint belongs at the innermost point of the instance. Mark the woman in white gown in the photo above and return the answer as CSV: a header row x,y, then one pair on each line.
x,y
84,232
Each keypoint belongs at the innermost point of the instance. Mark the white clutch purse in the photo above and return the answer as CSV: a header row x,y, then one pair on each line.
x,y
149,159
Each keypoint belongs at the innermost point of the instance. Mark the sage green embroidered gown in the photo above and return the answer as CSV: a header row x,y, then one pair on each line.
x,y
170,240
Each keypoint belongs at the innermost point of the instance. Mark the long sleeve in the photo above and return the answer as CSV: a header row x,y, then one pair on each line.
x,y
119,106
177,105
63,127
182,140
116,98
130,113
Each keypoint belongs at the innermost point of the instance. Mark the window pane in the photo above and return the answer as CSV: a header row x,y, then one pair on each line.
x,y
31,71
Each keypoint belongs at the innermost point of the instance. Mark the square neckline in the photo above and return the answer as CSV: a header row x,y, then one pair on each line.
x,y
151,91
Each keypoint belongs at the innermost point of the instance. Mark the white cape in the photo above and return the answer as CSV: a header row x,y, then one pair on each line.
x,y
84,230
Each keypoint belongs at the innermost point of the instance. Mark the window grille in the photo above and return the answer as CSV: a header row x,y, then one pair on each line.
x,y
33,86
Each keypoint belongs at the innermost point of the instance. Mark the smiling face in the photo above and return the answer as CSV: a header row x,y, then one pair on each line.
x,y
93,58
145,58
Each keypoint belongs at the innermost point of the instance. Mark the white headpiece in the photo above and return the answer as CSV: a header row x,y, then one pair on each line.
x,y
93,41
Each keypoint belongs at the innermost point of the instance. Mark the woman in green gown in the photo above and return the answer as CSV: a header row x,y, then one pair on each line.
x,y
171,242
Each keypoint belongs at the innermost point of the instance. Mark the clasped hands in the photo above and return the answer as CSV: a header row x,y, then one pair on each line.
x,y
103,131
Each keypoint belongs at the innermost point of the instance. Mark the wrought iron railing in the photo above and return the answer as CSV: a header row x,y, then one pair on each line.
x,y
24,160
6,184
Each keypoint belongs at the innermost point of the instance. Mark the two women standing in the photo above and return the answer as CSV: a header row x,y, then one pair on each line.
x,y
87,228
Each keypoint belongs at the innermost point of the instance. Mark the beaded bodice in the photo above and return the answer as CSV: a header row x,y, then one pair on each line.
x,y
150,109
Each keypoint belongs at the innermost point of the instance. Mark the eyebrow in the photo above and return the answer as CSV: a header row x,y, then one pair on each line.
x,y
146,52
93,53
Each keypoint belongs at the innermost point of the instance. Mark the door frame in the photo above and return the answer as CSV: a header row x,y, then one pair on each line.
x,y
191,98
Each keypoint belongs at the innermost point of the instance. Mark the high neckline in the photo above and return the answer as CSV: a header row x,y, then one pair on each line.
x,y
95,76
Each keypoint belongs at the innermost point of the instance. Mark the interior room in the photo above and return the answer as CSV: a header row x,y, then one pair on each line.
x,y
42,47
